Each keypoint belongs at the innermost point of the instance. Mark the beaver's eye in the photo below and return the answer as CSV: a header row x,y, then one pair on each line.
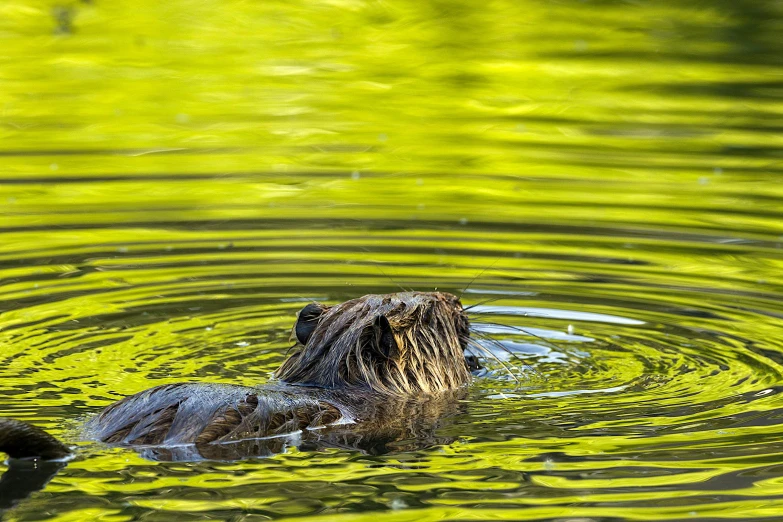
x,y
306,321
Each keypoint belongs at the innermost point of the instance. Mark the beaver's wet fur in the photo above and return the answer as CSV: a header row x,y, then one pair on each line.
x,y
396,344
377,368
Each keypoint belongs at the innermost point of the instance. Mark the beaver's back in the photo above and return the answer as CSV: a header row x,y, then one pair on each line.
x,y
195,413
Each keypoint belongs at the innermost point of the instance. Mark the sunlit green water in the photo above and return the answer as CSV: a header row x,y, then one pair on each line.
x,y
177,178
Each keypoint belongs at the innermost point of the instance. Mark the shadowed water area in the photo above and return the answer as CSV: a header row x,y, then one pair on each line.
x,y
602,179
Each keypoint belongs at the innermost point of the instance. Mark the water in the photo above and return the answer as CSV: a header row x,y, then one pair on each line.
x,y
178,178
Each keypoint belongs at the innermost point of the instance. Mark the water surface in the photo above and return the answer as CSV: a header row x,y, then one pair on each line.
x,y
601,178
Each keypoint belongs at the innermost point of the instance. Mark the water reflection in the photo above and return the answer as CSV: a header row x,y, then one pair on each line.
x,y
601,176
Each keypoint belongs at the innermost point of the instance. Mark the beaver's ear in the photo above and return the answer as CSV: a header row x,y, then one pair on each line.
x,y
306,321
387,344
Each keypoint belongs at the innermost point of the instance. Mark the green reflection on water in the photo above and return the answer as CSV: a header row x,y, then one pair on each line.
x,y
413,86
177,178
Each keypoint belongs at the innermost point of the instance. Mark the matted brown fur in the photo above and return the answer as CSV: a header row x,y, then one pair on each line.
x,y
425,352
370,362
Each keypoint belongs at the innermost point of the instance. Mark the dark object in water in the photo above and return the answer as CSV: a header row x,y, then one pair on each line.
x,y
20,440
366,374
33,460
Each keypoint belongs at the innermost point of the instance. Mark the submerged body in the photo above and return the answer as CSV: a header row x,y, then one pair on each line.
x,y
194,421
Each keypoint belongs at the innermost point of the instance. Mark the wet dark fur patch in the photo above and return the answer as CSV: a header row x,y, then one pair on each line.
x,y
204,413
388,344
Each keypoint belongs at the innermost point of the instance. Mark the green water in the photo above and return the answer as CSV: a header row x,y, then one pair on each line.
x,y
177,178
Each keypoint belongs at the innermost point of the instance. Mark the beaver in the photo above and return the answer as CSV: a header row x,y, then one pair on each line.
x,y
363,374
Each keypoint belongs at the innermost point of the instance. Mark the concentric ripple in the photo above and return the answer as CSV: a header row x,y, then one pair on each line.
x,y
599,181
617,381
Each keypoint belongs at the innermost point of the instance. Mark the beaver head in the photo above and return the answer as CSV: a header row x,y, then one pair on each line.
x,y
394,344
